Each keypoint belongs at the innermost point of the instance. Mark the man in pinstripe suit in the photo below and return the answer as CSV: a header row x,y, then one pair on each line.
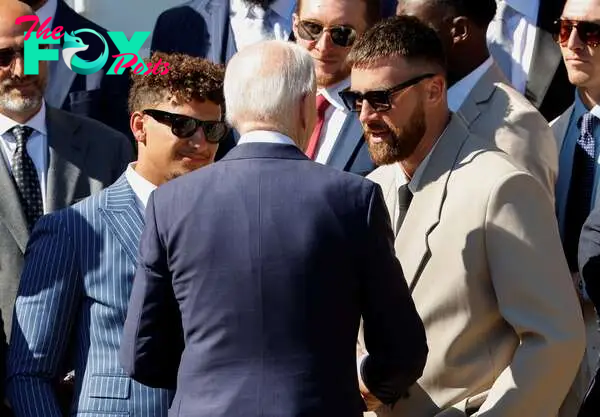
x,y
80,261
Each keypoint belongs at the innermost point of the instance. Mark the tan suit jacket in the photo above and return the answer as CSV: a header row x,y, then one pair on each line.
x,y
481,254
495,111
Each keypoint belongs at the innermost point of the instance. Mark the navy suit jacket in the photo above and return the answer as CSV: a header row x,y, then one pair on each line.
x,y
589,268
71,307
253,276
97,95
589,256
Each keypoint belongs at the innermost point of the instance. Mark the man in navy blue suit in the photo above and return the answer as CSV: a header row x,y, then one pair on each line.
x,y
79,265
254,272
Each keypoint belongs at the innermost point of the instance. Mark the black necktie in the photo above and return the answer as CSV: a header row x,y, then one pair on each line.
x,y
579,200
26,177
404,198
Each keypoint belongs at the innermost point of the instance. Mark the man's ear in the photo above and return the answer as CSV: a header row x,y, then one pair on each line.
x,y
138,128
295,20
304,112
436,88
460,30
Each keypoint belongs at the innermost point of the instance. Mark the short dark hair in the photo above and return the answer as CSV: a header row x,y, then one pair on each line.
x,y
189,78
404,36
480,12
373,12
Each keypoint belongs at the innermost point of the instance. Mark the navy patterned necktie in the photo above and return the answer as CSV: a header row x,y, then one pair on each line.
x,y
579,201
26,177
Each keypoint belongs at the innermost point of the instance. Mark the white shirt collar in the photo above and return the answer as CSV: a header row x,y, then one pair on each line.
x,y
528,8
37,122
283,8
48,10
142,188
458,93
332,94
265,136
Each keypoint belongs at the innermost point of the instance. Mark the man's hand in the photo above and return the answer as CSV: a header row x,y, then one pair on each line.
x,y
370,400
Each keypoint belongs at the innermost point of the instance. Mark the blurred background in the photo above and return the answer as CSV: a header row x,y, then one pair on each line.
x,y
132,16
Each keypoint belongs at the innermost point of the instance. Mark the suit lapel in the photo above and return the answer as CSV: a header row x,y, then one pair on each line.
x,y
216,16
66,156
350,138
122,216
482,92
560,125
11,212
412,242
545,61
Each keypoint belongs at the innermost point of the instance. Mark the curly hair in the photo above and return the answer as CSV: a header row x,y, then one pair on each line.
x,y
189,78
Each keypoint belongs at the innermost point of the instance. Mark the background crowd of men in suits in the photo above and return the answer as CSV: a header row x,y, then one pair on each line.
x,y
467,262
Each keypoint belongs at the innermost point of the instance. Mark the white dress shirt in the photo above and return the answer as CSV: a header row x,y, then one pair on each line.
x,y
252,24
335,117
142,188
519,27
46,11
265,136
37,146
458,93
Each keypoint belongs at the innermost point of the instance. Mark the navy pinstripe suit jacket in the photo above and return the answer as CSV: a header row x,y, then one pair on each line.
x,y
71,307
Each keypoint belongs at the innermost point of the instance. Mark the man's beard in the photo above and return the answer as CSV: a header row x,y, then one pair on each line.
x,y
327,80
15,102
263,4
401,143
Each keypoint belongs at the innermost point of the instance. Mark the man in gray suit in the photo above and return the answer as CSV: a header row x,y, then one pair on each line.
x,y
49,158
479,92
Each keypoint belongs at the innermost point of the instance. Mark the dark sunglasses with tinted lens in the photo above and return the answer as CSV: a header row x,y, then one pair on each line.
x,y
341,35
379,100
588,32
7,55
185,126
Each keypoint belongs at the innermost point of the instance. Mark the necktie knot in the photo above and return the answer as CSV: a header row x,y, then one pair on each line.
x,y
21,134
587,123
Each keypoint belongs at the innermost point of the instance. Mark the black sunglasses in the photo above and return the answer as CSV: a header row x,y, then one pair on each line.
x,y
341,35
379,100
588,32
7,55
185,126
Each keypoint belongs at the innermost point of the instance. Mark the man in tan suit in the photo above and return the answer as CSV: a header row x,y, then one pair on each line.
x,y
478,243
479,92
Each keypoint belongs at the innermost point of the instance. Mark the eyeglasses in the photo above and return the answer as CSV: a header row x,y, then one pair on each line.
x,y
185,126
588,32
7,55
341,35
379,100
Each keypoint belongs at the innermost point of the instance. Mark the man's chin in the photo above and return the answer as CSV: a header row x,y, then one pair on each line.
x,y
20,104
327,80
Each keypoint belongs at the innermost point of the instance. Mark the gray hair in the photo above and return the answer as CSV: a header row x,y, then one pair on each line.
x,y
265,82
